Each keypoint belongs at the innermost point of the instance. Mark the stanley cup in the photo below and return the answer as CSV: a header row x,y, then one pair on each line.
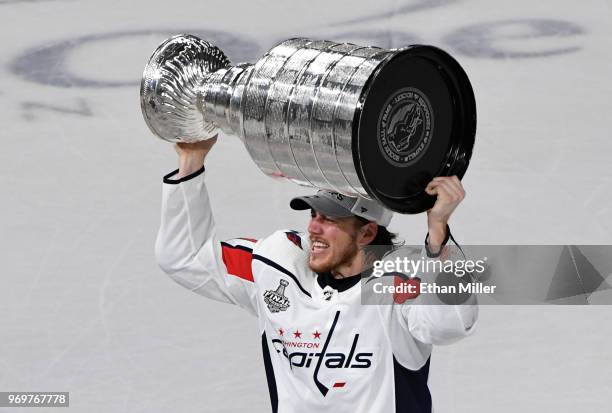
x,y
362,121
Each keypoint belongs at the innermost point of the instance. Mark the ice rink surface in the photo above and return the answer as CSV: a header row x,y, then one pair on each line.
x,y
85,309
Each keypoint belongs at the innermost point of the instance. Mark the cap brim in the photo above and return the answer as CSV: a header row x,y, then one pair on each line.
x,y
321,205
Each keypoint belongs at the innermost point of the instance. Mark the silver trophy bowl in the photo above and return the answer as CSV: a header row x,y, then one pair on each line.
x,y
362,121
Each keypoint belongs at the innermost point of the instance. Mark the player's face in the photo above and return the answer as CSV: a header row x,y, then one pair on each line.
x,y
333,242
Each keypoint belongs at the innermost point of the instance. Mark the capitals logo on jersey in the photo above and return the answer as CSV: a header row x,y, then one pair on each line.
x,y
349,359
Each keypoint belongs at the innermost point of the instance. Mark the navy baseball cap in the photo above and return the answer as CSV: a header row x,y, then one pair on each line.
x,y
337,205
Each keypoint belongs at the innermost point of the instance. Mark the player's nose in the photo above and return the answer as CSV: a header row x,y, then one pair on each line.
x,y
315,227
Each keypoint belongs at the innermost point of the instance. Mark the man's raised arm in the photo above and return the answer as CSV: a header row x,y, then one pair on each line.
x,y
443,323
187,247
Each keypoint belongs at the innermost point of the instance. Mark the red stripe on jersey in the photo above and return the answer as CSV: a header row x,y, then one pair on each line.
x,y
339,384
238,262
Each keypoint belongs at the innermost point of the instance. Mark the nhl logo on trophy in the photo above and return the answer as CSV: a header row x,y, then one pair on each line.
x,y
361,121
405,126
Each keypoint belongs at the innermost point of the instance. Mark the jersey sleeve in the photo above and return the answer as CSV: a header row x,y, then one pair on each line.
x,y
432,321
188,250
426,318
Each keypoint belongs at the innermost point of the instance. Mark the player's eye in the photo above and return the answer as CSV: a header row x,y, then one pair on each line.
x,y
315,214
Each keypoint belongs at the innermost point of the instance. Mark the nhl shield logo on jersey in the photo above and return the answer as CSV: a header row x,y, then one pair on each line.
x,y
328,293
276,299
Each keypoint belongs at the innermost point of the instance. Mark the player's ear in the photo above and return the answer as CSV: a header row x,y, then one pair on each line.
x,y
367,233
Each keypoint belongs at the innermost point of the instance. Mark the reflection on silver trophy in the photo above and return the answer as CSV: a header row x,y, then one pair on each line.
x,y
362,121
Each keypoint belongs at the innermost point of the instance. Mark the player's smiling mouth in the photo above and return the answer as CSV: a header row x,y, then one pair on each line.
x,y
317,246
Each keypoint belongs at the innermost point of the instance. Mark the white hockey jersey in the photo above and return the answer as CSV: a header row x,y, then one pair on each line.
x,y
323,350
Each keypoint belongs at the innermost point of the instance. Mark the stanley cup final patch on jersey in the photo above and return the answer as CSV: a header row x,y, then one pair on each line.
x,y
276,299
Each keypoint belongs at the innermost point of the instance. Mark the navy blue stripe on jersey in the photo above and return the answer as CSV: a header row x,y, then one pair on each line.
x,y
339,284
411,391
168,178
269,373
238,247
322,388
281,269
439,253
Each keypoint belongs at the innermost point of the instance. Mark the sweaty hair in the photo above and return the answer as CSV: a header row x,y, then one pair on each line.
x,y
383,242
383,236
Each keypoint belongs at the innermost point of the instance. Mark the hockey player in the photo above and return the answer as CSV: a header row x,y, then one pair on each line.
x,y
323,350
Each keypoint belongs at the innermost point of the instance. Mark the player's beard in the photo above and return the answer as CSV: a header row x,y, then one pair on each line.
x,y
337,260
